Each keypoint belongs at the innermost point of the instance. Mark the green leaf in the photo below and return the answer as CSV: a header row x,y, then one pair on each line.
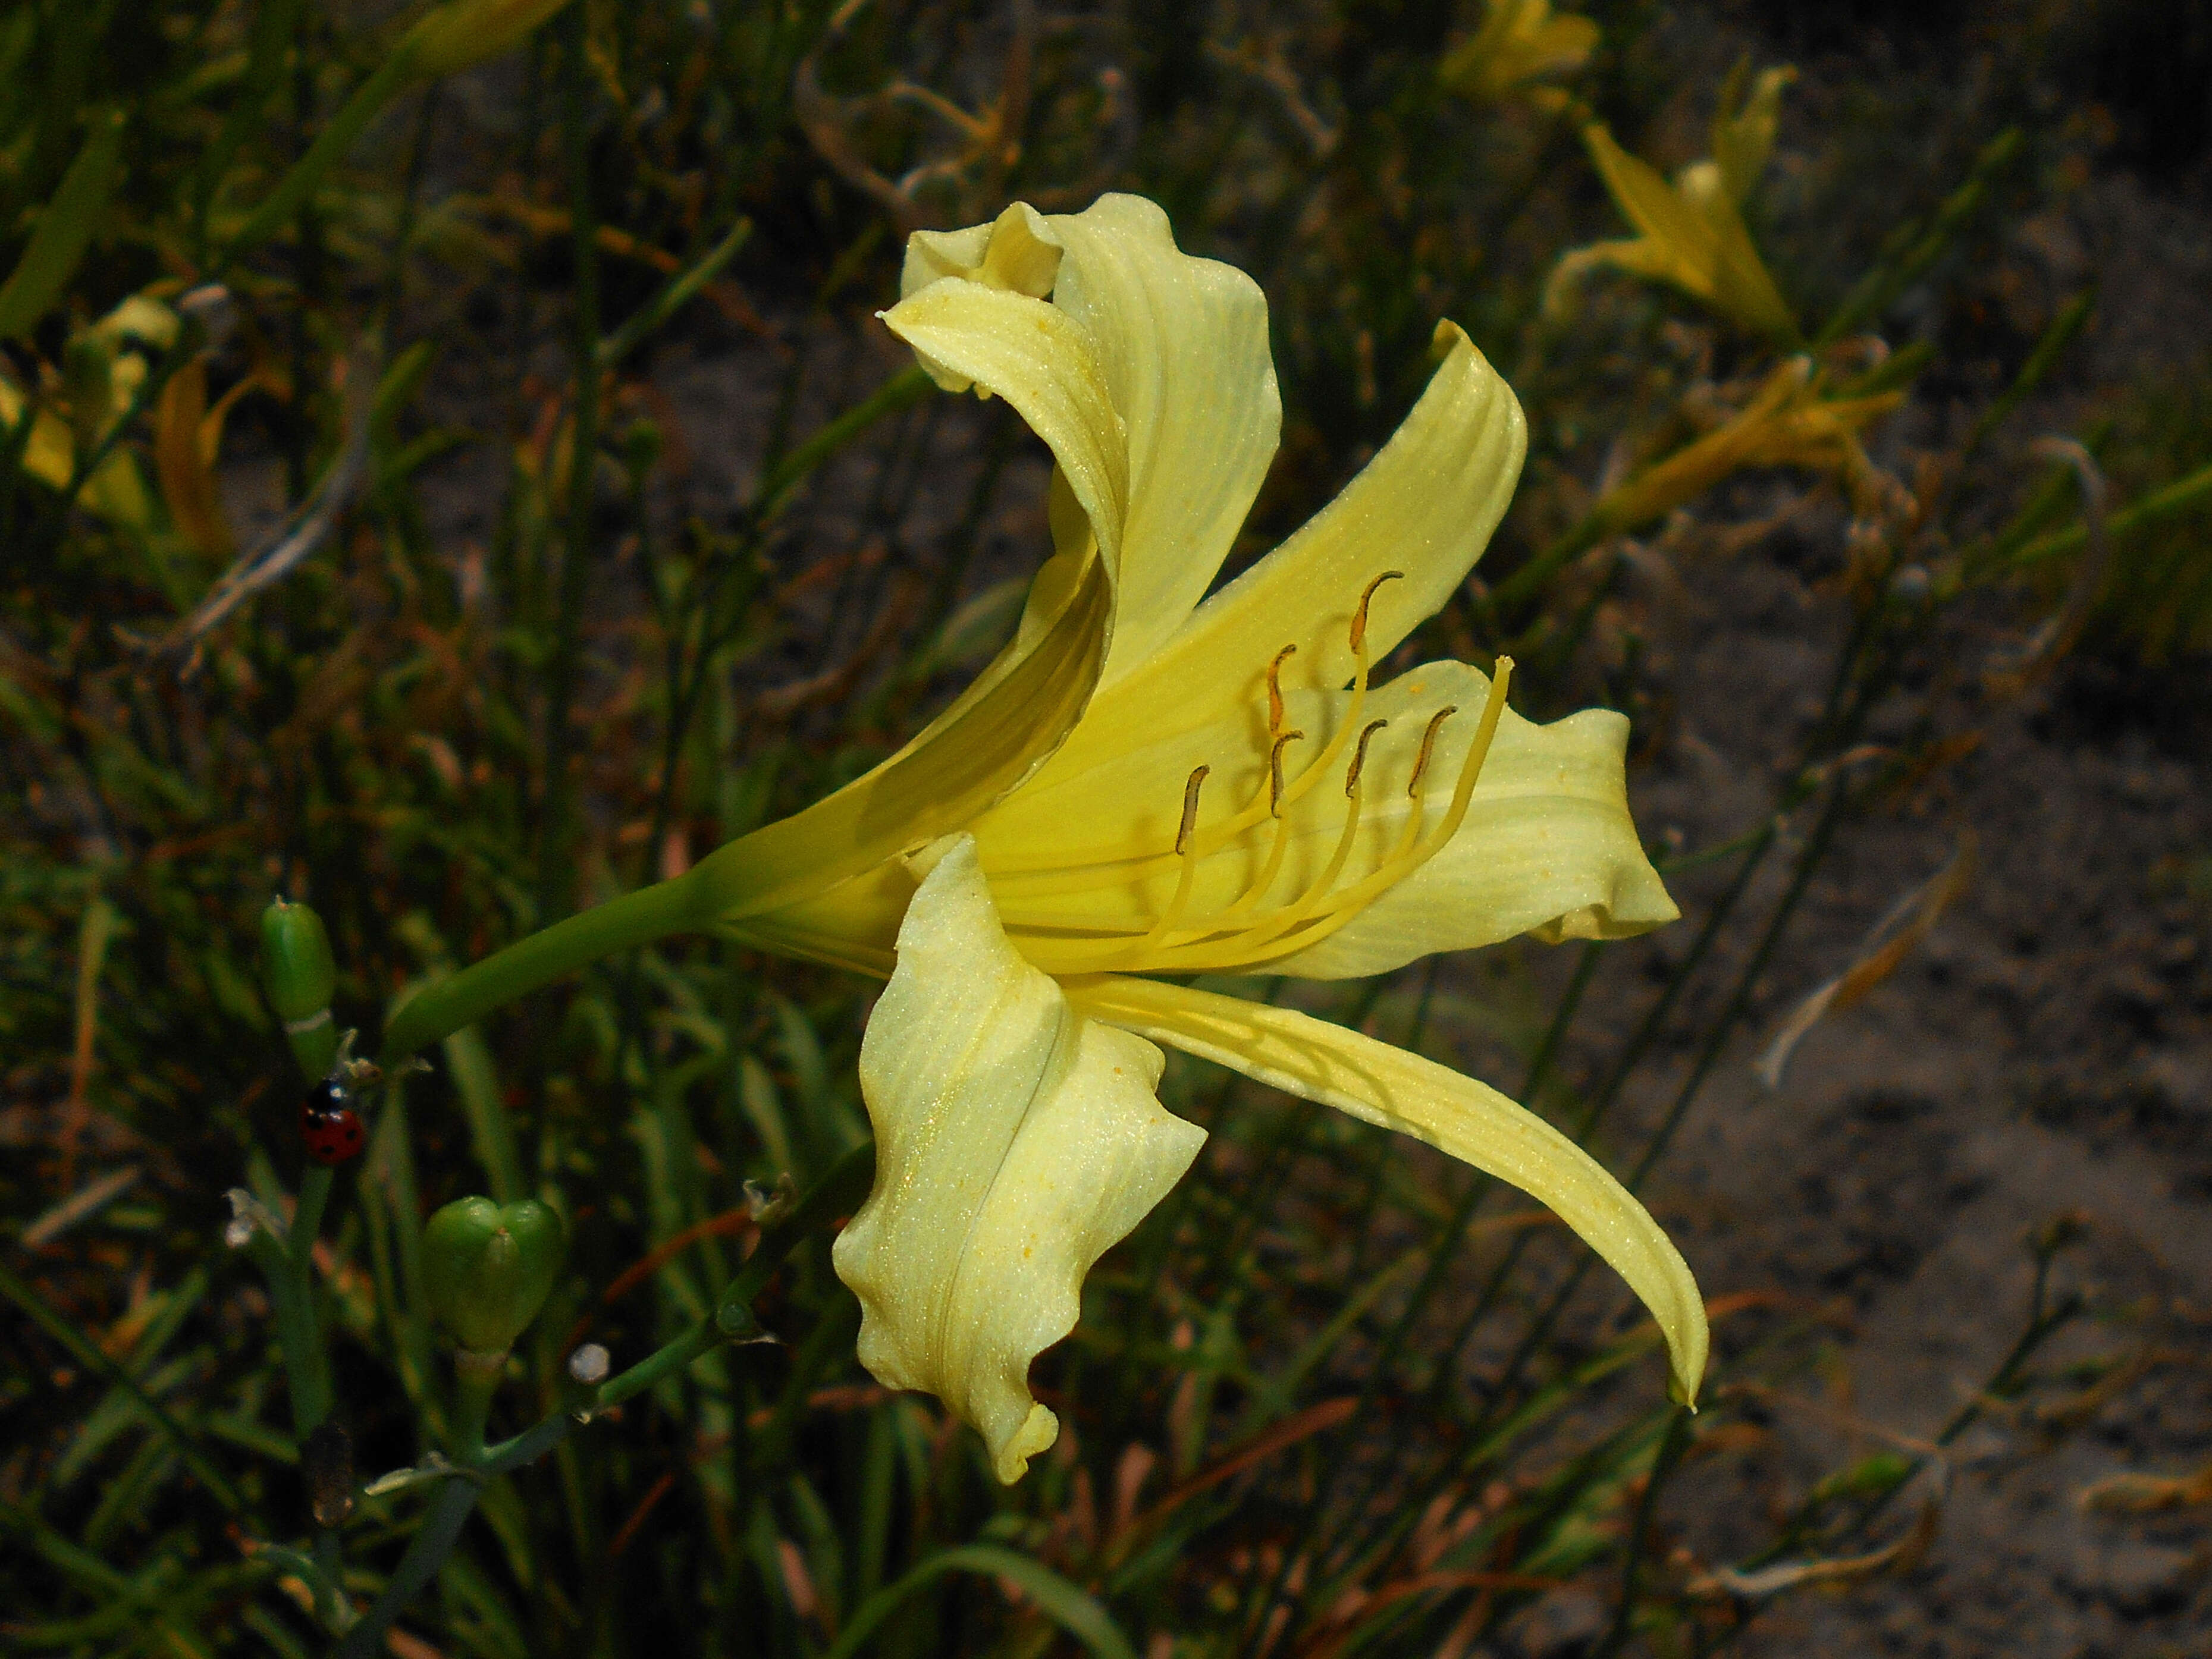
x,y
64,229
1060,1598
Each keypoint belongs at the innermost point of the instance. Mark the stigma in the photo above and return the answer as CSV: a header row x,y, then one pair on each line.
x,y
1264,916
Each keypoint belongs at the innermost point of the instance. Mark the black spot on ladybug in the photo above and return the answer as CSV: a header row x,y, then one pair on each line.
x,y
330,1128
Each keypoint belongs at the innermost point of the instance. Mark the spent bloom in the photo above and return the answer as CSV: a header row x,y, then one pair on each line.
x,y
1519,45
1792,420
1151,782
1691,234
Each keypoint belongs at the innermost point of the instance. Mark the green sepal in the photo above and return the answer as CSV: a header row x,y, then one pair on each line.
x,y
489,1269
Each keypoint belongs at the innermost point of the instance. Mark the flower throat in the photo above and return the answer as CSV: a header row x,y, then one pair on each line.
x,y
1248,931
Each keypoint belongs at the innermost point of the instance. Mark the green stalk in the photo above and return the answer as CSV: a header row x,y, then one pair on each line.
x,y
635,918
307,1366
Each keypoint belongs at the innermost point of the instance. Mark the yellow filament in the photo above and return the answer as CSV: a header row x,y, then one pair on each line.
x,y
1404,861
1078,870
1316,891
1275,772
1318,913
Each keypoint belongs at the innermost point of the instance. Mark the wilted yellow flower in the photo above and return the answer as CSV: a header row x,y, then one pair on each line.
x,y
100,395
1520,43
1145,784
1691,234
1788,423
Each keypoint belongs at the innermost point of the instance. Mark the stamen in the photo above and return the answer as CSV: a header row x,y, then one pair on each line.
x,y
1493,710
1359,616
1359,760
1428,744
1275,689
1275,772
1186,850
1190,788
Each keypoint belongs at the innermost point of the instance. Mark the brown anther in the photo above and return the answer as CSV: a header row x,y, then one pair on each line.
x,y
1359,756
1275,772
1359,616
1275,689
1428,742
1190,807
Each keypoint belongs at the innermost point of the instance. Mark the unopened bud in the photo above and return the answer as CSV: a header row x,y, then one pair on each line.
x,y
487,1269
299,975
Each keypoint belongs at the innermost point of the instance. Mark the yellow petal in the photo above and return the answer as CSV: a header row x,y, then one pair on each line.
x,y
1044,363
1183,345
1547,846
1015,1143
1742,286
1004,726
993,736
1379,1084
1425,506
1018,251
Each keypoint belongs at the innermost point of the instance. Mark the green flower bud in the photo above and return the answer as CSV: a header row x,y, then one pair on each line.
x,y
296,961
488,1269
299,975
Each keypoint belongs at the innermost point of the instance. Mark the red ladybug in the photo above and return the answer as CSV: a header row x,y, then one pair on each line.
x,y
330,1128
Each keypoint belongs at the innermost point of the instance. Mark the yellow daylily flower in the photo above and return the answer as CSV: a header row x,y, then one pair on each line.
x,y
1519,43
1691,234
1149,781
1789,422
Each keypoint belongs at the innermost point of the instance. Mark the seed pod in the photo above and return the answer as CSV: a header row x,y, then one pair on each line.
x,y
488,1269
299,975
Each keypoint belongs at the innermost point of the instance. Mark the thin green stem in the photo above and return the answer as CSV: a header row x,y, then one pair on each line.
x,y
307,1366
1639,1538
426,1554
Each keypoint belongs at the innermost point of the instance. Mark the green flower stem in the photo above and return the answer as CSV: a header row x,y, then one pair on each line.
x,y
475,1380
637,918
307,1368
432,1544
